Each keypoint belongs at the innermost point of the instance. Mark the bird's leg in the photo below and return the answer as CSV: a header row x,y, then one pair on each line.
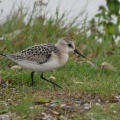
x,y
54,84
32,80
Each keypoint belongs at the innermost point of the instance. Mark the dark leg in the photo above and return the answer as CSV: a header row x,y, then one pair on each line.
x,y
32,75
54,84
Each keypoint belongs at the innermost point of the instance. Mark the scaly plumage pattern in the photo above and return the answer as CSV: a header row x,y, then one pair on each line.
x,y
38,53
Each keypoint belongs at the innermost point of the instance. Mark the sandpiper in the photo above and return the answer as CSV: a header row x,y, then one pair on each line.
x,y
44,57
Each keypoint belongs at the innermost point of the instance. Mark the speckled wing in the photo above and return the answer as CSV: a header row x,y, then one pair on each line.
x,y
38,53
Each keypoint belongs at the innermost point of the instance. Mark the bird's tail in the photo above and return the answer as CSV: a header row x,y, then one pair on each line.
x,y
2,54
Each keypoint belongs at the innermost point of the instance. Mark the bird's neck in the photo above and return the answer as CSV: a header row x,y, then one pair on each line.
x,y
64,55
64,59
61,49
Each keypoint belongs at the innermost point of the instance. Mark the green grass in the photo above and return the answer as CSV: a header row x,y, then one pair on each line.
x,y
77,78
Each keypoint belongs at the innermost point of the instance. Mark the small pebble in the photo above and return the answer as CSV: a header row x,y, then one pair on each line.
x,y
98,104
4,117
114,111
86,106
52,78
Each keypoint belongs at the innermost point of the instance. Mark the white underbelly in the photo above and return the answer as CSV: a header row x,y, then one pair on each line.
x,y
33,66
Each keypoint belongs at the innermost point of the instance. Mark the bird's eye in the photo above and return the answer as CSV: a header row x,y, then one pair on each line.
x,y
69,45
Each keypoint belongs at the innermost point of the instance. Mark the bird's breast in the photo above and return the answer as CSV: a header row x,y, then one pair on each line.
x,y
63,59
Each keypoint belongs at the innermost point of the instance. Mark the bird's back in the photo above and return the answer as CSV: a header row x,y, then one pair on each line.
x,y
38,53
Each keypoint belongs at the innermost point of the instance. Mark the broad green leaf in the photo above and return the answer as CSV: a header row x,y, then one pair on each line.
x,y
113,6
118,20
110,28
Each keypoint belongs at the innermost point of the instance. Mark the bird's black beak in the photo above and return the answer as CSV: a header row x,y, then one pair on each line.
x,y
77,52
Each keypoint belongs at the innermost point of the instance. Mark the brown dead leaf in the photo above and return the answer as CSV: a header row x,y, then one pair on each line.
x,y
54,112
109,53
89,62
108,66
67,107
9,81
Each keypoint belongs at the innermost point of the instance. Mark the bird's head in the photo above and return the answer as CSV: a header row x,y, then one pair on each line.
x,y
67,45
